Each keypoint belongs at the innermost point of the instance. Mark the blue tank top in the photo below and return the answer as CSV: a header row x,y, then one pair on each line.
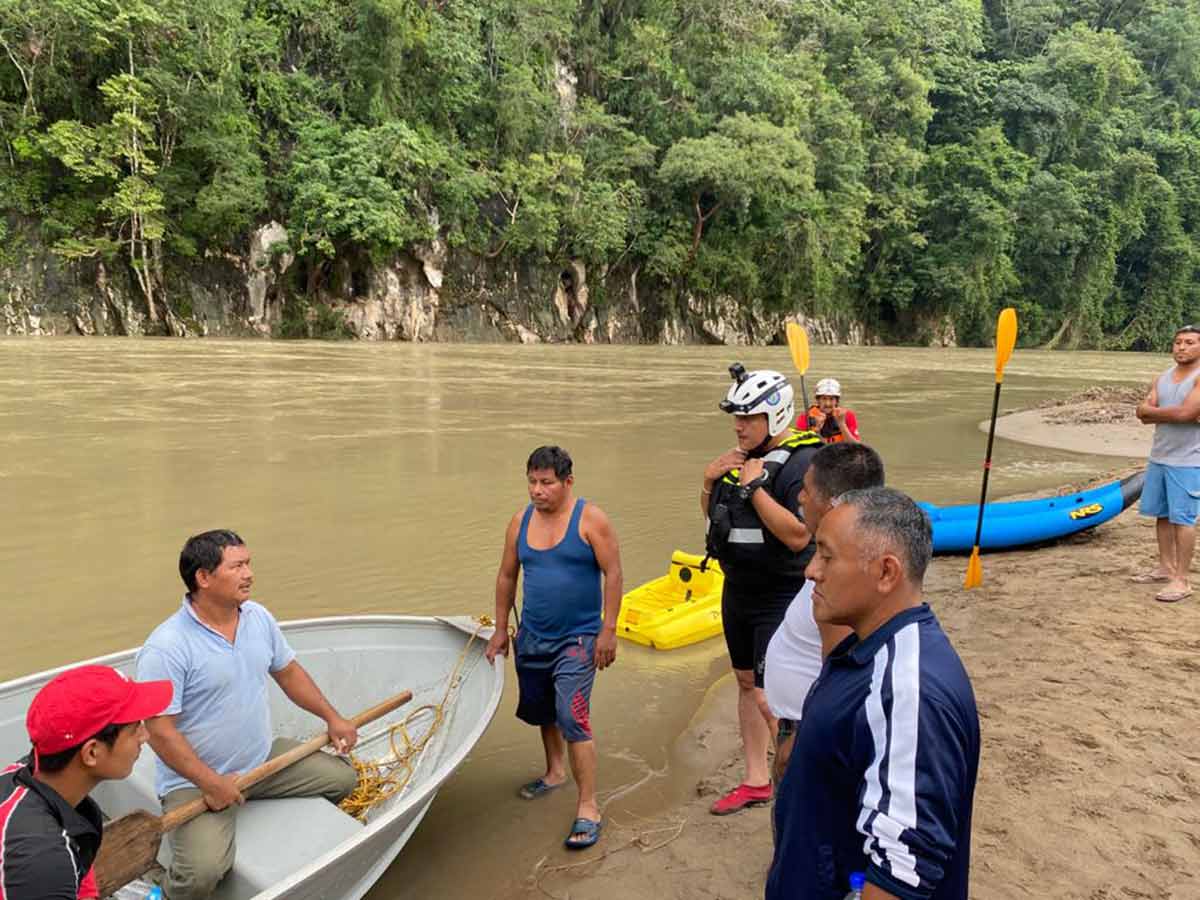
x,y
561,596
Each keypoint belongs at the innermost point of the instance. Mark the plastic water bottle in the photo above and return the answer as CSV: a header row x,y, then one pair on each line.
x,y
858,881
155,893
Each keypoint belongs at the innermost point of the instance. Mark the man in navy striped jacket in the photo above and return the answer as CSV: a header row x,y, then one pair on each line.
x,y
882,775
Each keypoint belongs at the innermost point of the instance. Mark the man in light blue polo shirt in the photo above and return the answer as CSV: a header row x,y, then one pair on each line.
x,y
217,652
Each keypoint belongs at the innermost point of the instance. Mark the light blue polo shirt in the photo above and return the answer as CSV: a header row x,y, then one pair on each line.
x,y
220,698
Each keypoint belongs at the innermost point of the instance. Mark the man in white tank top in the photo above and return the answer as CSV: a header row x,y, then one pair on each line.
x,y
799,645
1172,490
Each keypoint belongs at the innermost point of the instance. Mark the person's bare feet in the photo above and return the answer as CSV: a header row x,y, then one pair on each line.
x,y
588,811
1177,589
1154,576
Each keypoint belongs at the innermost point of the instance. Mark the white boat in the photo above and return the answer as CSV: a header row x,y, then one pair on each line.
x,y
307,848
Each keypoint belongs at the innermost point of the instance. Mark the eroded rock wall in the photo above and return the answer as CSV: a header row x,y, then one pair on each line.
x,y
427,293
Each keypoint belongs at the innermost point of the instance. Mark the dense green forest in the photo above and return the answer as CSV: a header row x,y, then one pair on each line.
x,y
886,161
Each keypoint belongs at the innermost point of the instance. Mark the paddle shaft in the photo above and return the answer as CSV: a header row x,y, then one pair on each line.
x,y
189,811
987,463
804,397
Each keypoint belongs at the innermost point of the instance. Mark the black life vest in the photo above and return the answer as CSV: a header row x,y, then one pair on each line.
x,y
736,535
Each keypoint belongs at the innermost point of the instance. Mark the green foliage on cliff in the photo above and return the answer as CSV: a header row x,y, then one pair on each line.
x,y
899,163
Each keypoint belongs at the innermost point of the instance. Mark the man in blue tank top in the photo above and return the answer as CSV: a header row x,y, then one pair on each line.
x,y
1172,490
564,545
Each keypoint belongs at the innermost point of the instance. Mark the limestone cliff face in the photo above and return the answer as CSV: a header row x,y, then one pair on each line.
x,y
428,293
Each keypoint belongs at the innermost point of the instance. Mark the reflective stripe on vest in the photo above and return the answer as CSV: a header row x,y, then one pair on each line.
x,y
745,536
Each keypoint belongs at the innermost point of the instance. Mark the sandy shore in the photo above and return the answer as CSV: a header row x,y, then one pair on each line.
x,y
1099,421
1090,775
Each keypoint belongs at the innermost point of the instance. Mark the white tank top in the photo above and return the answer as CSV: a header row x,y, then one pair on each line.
x,y
793,659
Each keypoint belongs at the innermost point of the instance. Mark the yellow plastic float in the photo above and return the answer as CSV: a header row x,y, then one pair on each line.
x,y
676,609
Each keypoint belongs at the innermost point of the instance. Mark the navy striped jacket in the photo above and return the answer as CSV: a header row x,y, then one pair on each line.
x,y
882,774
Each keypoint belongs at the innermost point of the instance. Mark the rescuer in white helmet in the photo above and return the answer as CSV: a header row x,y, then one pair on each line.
x,y
827,417
750,498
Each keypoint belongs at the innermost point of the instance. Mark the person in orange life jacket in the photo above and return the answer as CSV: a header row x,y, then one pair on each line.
x,y
85,727
750,500
828,417
563,545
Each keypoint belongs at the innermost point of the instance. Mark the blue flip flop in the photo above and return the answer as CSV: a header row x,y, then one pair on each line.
x,y
587,829
537,787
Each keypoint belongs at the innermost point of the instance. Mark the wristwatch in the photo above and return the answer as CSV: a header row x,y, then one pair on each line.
x,y
746,491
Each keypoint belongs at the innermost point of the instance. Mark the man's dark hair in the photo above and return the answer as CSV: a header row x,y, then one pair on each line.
x,y
889,521
845,466
548,457
56,762
204,551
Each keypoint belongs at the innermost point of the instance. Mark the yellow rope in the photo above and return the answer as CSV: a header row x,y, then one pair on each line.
x,y
383,778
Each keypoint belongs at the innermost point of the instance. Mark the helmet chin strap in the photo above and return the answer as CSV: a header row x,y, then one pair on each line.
x,y
761,449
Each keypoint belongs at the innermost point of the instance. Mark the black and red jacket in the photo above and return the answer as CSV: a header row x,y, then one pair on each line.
x,y
47,846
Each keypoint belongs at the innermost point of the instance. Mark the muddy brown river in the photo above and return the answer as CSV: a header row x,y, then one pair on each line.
x,y
380,477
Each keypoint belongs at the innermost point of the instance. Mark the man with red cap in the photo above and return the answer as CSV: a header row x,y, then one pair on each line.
x,y
85,726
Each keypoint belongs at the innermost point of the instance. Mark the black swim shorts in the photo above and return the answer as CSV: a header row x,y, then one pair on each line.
x,y
750,614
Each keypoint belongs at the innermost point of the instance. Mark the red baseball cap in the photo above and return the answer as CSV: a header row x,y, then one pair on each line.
x,y
77,704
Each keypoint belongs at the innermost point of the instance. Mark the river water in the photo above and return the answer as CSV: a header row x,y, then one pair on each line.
x,y
380,477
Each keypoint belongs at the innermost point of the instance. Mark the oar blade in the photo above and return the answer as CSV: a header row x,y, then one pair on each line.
x,y
1006,339
974,571
797,339
129,849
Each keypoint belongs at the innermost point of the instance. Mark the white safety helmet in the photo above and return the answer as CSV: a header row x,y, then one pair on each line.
x,y
763,391
828,387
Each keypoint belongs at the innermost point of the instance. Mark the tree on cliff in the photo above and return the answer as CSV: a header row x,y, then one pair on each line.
x,y
908,164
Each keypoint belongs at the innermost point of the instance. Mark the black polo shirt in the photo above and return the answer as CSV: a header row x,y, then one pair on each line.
x,y
47,846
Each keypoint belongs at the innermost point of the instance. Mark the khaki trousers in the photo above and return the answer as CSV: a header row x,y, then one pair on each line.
x,y
202,850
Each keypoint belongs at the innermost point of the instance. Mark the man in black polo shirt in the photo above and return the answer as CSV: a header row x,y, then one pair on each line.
x,y
85,726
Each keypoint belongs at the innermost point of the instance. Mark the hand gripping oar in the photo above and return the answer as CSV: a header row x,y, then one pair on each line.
x,y
131,842
1006,339
797,339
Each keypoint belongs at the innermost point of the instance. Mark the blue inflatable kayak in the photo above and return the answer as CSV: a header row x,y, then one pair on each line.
x,y
1021,522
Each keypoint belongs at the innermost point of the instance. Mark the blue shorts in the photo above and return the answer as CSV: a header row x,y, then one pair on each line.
x,y
1171,492
555,678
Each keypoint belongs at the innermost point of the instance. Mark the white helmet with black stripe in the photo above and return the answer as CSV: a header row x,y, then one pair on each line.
x,y
763,391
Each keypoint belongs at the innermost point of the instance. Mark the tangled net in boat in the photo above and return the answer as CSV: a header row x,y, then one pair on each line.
x,y
384,777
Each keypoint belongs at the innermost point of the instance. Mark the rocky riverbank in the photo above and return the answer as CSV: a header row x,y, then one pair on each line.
x,y
429,293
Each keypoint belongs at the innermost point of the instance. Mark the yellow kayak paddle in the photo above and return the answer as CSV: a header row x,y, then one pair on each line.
x,y
797,339
1006,339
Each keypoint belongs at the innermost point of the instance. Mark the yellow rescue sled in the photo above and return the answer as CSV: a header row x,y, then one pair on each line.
x,y
677,609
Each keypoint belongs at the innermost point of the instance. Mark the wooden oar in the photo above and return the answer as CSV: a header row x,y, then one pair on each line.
x,y
797,339
131,842
1006,339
